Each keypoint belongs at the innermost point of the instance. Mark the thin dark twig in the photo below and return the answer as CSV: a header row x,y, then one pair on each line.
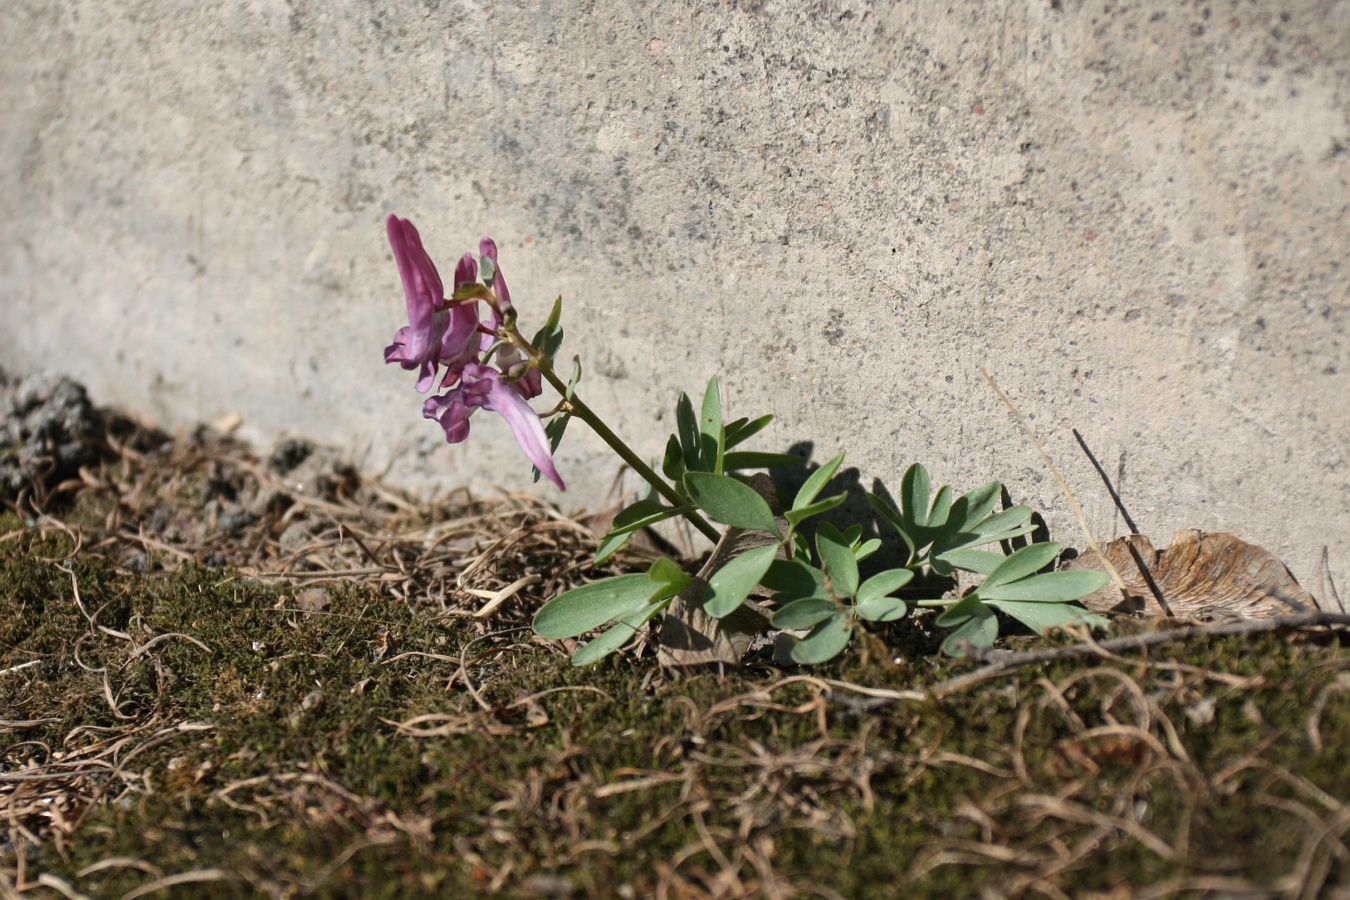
x,y
1129,521
1331,582
1106,480
1002,661
1148,579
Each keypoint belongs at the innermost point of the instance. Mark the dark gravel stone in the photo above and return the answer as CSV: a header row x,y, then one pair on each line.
x,y
48,430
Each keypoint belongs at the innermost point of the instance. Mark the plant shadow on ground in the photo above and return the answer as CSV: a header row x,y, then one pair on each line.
x,y
333,715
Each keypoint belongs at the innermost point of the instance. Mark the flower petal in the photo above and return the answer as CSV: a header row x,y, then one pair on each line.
x,y
420,341
451,413
525,425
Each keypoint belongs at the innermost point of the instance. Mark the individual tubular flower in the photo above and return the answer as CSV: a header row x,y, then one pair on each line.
x,y
418,344
483,386
463,341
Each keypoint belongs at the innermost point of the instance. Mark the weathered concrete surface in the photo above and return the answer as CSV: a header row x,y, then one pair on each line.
x,y
1137,218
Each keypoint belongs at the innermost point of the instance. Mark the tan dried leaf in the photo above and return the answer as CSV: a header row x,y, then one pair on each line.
x,y
1211,578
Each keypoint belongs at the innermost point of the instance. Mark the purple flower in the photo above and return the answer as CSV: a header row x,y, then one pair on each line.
x,y
483,386
462,341
418,344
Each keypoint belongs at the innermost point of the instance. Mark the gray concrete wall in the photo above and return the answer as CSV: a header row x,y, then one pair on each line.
x,y
1134,216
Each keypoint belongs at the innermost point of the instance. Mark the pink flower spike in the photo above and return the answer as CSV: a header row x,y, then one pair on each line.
x,y
417,345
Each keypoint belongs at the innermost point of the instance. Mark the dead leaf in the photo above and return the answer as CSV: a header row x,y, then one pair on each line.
x,y
1211,578
691,637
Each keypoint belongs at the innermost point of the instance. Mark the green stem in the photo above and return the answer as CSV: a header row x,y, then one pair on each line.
x,y
586,414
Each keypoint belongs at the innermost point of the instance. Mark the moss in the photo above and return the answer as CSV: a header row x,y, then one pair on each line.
x,y
263,742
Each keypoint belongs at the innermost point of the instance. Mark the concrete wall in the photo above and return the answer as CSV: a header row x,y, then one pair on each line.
x,y
1137,217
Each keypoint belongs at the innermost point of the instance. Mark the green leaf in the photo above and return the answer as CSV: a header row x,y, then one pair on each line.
x,y
672,464
553,430
730,585
691,440
825,641
632,518
670,577
742,430
1011,519
1052,587
555,314
730,501
963,610
574,379
748,459
710,427
1024,562
981,562
914,490
791,579
883,583
838,560
1041,617
866,549
816,483
891,516
617,635
940,511
883,609
550,337
980,631
588,607
807,612
797,516
610,544
972,507
801,548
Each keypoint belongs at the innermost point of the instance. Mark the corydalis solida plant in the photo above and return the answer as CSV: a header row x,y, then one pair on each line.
x,y
820,596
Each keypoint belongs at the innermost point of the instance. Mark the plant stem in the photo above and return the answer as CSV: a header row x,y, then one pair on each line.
x,y
586,414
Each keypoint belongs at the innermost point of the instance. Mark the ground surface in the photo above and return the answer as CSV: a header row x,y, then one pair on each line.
x,y
221,675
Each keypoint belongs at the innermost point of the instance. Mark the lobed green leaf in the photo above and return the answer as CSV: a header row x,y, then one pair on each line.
x,y
883,609
617,635
741,430
1051,587
730,501
1041,617
1024,562
797,516
981,630
807,612
730,585
710,427
836,556
749,459
816,483
826,640
588,607
883,583
792,579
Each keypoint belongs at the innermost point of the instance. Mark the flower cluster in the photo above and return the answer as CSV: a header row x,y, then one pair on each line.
x,y
483,368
